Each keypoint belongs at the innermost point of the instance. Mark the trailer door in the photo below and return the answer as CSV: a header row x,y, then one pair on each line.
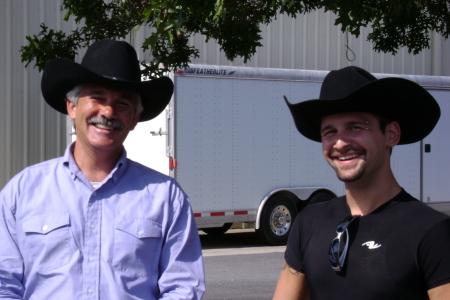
x,y
435,150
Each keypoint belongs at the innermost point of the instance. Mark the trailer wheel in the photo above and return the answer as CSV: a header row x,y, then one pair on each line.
x,y
276,220
217,230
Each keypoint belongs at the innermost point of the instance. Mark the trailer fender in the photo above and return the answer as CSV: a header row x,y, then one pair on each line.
x,y
302,193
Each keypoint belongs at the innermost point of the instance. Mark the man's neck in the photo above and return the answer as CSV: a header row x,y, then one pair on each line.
x,y
364,197
95,164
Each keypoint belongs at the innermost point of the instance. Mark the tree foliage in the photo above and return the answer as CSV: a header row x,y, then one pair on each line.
x,y
234,24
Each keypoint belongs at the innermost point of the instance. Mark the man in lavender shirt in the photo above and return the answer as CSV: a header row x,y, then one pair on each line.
x,y
93,224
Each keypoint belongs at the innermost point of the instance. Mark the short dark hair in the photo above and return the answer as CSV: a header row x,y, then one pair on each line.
x,y
383,122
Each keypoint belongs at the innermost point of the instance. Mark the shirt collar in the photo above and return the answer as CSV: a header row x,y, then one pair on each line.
x,y
117,171
120,167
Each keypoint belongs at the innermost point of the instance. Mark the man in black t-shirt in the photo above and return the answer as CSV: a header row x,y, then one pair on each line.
x,y
377,241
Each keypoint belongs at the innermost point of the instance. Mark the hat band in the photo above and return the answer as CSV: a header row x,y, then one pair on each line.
x,y
118,78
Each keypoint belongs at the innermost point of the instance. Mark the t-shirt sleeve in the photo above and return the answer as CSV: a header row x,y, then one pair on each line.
x,y
293,255
434,255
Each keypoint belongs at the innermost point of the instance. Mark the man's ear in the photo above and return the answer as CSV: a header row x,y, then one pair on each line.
x,y
71,109
392,133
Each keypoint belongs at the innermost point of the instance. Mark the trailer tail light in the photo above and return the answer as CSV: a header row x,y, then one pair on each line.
x,y
172,163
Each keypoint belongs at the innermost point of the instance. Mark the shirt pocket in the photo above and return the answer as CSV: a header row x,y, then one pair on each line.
x,y
48,240
137,244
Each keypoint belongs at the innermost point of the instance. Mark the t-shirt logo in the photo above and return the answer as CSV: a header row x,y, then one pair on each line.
x,y
371,245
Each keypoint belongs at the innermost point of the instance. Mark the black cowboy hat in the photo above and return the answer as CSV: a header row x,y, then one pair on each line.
x,y
107,63
353,89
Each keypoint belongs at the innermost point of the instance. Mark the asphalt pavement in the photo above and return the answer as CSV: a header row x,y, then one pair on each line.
x,y
240,267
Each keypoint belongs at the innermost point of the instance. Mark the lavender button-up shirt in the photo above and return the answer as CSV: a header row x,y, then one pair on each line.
x,y
133,237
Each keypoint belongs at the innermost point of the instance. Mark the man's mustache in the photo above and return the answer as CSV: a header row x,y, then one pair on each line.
x,y
106,122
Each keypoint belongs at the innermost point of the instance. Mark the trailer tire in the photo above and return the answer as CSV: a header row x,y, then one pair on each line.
x,y
214,231
276,220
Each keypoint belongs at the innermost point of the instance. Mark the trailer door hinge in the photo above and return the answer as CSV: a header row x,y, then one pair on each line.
x,y
159,132
169,113
169,151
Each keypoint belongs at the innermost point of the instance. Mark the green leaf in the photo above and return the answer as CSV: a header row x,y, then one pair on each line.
x,y
234,24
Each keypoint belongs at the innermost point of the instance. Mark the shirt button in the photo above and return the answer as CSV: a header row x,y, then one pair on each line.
x,y
91,259
140,232
92,226
90,291
44,228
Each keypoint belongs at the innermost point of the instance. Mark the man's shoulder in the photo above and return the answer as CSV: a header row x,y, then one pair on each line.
x,y
46,163
32,175
337,203
415,208
154,181
149,175
408,216
146,171
334,209
39,169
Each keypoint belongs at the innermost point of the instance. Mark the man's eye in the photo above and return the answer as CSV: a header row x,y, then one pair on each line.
x,y
327,133
356,128
97,98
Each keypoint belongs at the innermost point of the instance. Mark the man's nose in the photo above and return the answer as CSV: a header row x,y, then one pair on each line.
x,y
107,111
342,142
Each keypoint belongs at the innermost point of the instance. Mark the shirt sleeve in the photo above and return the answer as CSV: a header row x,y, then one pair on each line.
x,y
181,263
293,255
11,262
434,255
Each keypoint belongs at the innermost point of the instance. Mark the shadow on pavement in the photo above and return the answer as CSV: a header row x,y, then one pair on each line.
x,y
233,238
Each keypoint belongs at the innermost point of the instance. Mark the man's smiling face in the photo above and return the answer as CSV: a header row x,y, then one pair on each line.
x,y
354,145
103,117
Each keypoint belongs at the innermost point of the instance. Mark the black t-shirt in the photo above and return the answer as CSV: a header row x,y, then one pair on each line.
x,y
399,251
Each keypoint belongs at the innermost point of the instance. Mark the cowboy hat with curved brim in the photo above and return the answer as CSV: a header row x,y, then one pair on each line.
x,y
107,63
353,89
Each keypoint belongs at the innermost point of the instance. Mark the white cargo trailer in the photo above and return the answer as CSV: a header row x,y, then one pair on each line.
x,y
233,147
